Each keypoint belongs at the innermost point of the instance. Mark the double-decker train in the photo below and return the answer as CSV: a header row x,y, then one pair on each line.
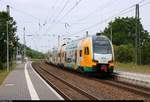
x,y
92,54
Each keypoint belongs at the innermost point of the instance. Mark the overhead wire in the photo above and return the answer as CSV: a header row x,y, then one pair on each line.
x,y
101,22
145,4
74,6
25,13
131,9
48,16
94,11
77,3
52,17
121,12
65,5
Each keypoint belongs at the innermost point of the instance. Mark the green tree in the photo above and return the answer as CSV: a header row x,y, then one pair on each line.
x,y
30,52
124,53
34,54
124,31
145,51
13,40
123,34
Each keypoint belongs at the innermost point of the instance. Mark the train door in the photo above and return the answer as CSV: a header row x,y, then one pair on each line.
x,y
60,57
75,56
87,55
75,60
79,54
65,58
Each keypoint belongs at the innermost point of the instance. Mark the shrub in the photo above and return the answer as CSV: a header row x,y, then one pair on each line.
x,y
1,65
124,53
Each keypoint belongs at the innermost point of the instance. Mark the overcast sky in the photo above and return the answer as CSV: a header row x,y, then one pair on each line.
x,y
46,19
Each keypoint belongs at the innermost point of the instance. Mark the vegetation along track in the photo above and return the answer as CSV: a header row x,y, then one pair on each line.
x,y
66,89
99,88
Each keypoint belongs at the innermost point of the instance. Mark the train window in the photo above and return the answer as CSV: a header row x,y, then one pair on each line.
x,y
75,56
62,54
102,47
65,54
80,53
58,54
86,51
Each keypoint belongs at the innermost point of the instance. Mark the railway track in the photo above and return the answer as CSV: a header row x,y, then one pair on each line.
x,y
128,87
82,94
123,85
76,92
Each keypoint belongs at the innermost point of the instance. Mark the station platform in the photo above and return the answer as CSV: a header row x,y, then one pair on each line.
x,y
134,78
23,83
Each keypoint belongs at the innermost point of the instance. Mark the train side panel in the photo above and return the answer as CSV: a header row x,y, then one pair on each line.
x,y
86,63
86,55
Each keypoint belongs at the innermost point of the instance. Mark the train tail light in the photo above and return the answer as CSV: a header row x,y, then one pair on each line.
x,y
104,68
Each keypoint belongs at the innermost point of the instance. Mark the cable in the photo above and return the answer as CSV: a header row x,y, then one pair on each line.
x,y
25,13
55,17
94,11
70,10
145,4
140,2
131,9
104,20
65,5
100,9
50,18
121,12
67,13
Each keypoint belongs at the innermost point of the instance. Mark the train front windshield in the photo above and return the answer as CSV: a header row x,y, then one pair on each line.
x,y
101,46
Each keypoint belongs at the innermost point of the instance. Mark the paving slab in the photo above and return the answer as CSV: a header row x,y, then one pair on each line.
x,y
15,87
134,78
44,92
23,83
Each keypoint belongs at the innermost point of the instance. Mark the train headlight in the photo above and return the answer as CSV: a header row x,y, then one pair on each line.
x,y
111,63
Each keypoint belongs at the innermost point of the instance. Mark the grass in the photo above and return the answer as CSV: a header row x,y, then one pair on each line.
x,y
131,67
4,73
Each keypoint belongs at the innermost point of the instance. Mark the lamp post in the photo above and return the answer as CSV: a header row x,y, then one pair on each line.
x,y
24,44
7,46
8,11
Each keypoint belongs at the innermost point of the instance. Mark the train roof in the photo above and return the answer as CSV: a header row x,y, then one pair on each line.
x,y
100,37
92,36
73,44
